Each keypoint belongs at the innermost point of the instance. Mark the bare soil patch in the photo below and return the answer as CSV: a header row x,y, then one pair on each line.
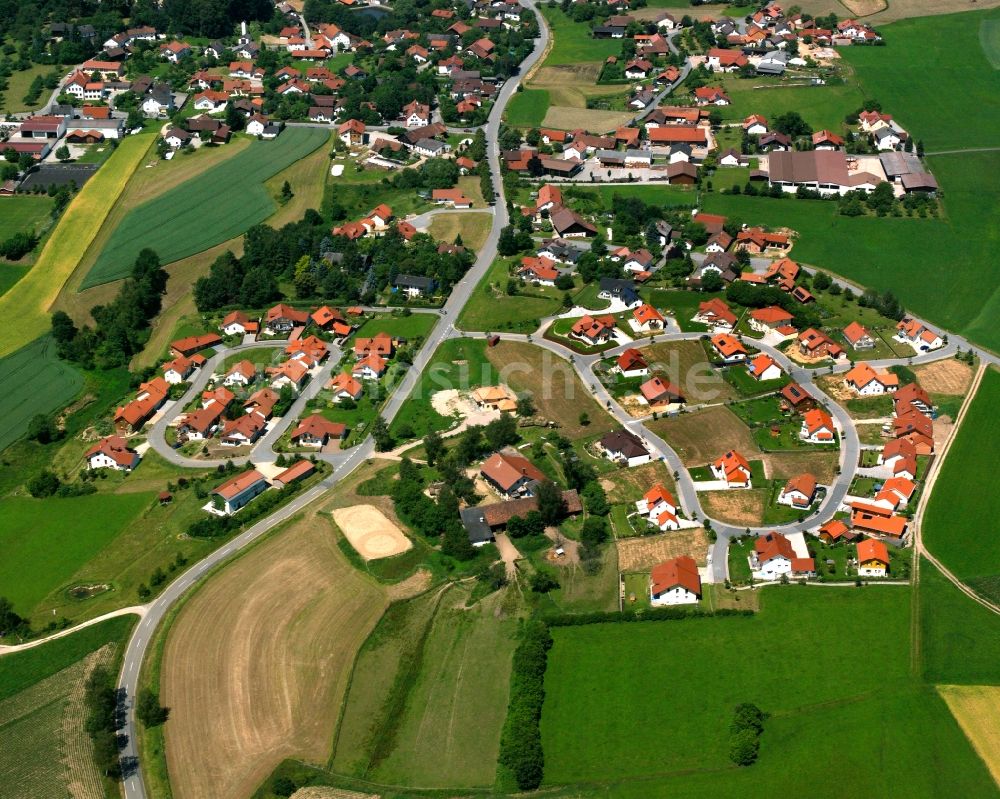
x,y
564,118
864,8
370,532
412,586
704,435
628,485
741,508
331,793
945,377
976,708
784,465
642,554
258,660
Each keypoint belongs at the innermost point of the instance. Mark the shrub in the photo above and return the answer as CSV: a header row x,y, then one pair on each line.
x,y
521,739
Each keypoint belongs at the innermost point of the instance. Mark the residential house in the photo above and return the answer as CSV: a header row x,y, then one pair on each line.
x,y
631,363
918,335
539,271
240,374
799,492
721,60
774,557
857,337
570,225
834,531
292,373
283,318
659,393
659,507
200,424
711,95
316,431
912,397
511,475
609,288
237,323
675,582
454,198
415,285
755,125
495,398
795,398
917,429
262,402
763,367
297,471
814,344
594,330
344,386
623,446
733,469
193,344
873,558
416,115
180,368
817,427
716,314
900,455
729,348
768,318
112,452
827,140
242,431
866,382
236,492
648,319
877,519
381,344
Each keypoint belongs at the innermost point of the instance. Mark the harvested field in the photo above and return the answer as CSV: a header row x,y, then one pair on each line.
x,y
331,793
557,392
595,121
628,485
944,377
865,8
473,228
740,508
44,748
904,9
704,435
685,364
783,465
253,671
641,554
976,708
370,532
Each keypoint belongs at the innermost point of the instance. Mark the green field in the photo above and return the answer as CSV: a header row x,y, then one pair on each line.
x,y
457,363
18,84
31,297
820,106
23,212
573,43
964,505
527,108
963,81
45,542
408,327
959,639
218,205
654,702
35,381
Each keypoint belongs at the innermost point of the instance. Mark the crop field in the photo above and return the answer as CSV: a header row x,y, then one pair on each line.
x,y
964,503
254,672
527,108
447,733
885,724
976,708
473,228
45,542
35,381
219,204
557,392
23,212
32,296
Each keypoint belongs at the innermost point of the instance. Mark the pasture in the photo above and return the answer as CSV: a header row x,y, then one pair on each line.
x,y
254,672
45,542
30,299
36,381
473,228
217,205
527,108
555,389
885,724
964,503
24,212
820,106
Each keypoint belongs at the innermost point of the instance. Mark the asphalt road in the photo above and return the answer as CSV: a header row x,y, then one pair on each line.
x,y
134,787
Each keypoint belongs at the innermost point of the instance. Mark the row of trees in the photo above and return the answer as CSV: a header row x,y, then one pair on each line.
x,y
122,326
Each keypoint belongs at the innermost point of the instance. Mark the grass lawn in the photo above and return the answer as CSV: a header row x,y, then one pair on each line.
x,y
960,640
600,197
820,106
964,503
213,207
37,381
457,364
473,228
738,377
491,308
18,85
408,327
573,43
717,663
46,541
527,108
24,212
682,305
32,296
739,566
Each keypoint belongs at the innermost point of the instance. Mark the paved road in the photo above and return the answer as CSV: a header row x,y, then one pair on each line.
x,y
135,653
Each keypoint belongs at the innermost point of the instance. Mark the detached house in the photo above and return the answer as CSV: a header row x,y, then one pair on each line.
x,y
112,452
868,383
648,319
594,330
316,431
675,582
733,469
659,393
659,507
918,335
799,492
857,337
817,427
900,455
774,556
631,363
729,348
624,447
716,314
344,386
236,492
240,374
763,368
873,558
511,475
283,318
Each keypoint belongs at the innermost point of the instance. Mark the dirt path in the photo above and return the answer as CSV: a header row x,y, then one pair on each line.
x,y
138,610
508,554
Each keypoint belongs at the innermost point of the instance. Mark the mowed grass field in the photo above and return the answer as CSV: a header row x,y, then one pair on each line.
x,y
257,661
31,297
45,542
964,503
44,748
556,391
572,42
23,212
473,228
820,106
35,381
213,207
527,108
408,327
620,718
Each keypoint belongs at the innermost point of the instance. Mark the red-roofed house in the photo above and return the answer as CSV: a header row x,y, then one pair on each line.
x,y
112,452
734,469
594,330
647,318
675,582
316,431
660,393
236,492
873,558
659,507
868,383
730,348
817,427
763,367
857,337
716,314
631,363
799,492
511,475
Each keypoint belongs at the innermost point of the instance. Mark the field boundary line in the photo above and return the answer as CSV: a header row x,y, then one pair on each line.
x,y
918,544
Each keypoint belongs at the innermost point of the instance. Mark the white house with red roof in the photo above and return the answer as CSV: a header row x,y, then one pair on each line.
x,y
659,507
733,469
675,582
873,558
112,452
817,427
918,335
799,492
763,367
866,382
774,557
647,319
631,363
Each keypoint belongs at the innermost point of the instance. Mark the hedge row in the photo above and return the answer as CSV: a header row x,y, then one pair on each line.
x,y
637,614
521,739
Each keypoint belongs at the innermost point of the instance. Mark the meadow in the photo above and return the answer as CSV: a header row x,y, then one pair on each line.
x,y
660,697
572,42
491,308
30,299
36,381
473,228
964,503
213,207
527,108
45,542
23,212
820,106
